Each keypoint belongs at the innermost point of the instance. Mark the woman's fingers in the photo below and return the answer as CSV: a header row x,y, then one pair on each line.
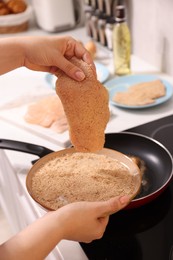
x,y
70,69
113,205
74,48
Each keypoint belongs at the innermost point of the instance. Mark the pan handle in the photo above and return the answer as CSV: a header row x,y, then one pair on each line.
x,y
24,147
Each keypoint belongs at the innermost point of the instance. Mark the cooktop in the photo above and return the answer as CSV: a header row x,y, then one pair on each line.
x,y
144,233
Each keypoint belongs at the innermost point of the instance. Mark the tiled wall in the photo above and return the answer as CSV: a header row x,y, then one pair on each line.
x,y
151,24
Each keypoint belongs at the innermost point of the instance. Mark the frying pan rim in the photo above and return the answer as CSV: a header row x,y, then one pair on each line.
x,y
72,150
164,148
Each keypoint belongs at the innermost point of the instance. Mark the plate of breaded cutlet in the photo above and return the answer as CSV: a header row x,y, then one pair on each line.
x,y
138,91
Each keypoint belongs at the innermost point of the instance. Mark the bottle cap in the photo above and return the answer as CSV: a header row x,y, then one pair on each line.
x,y
120,14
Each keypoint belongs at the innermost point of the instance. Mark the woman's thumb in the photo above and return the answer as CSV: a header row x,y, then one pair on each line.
x,y
113,205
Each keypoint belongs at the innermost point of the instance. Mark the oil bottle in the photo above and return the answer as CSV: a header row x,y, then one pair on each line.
x,y
121,41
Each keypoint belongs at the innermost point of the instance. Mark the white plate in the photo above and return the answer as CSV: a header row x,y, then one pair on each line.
x,y
15,116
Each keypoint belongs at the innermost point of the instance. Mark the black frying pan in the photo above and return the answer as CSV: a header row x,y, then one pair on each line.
x,y
157,159
19,146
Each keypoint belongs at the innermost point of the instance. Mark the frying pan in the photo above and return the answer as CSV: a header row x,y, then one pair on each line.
x,y
157,159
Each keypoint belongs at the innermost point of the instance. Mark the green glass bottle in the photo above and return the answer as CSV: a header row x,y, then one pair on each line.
x,y
121,42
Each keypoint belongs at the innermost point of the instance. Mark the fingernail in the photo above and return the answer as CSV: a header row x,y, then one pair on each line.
x,y
79,75
87,58
124,199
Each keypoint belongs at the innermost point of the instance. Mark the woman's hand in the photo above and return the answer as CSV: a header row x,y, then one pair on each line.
x,y
43,53
87,221
48,53
80,221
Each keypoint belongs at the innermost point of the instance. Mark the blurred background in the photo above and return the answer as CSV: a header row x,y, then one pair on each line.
x,y
149,23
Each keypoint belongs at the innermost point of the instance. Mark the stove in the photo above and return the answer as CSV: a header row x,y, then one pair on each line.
x,y
144,233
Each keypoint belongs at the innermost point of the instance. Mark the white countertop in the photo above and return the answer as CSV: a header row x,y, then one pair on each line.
x,y
18,87
22,83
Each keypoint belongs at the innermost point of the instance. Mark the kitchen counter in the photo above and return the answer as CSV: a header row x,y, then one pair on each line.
x,y
20,86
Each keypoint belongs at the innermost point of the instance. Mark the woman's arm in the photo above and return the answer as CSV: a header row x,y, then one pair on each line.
x,y
81,221
43,53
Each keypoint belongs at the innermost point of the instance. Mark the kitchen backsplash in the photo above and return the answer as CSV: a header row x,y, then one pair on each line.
x,y
151,28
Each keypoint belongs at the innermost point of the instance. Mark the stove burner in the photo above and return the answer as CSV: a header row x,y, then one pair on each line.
x,y
164,135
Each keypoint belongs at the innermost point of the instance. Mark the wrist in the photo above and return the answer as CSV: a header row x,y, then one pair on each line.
x,y
12,54
57,224
16,51
19,46
62,219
